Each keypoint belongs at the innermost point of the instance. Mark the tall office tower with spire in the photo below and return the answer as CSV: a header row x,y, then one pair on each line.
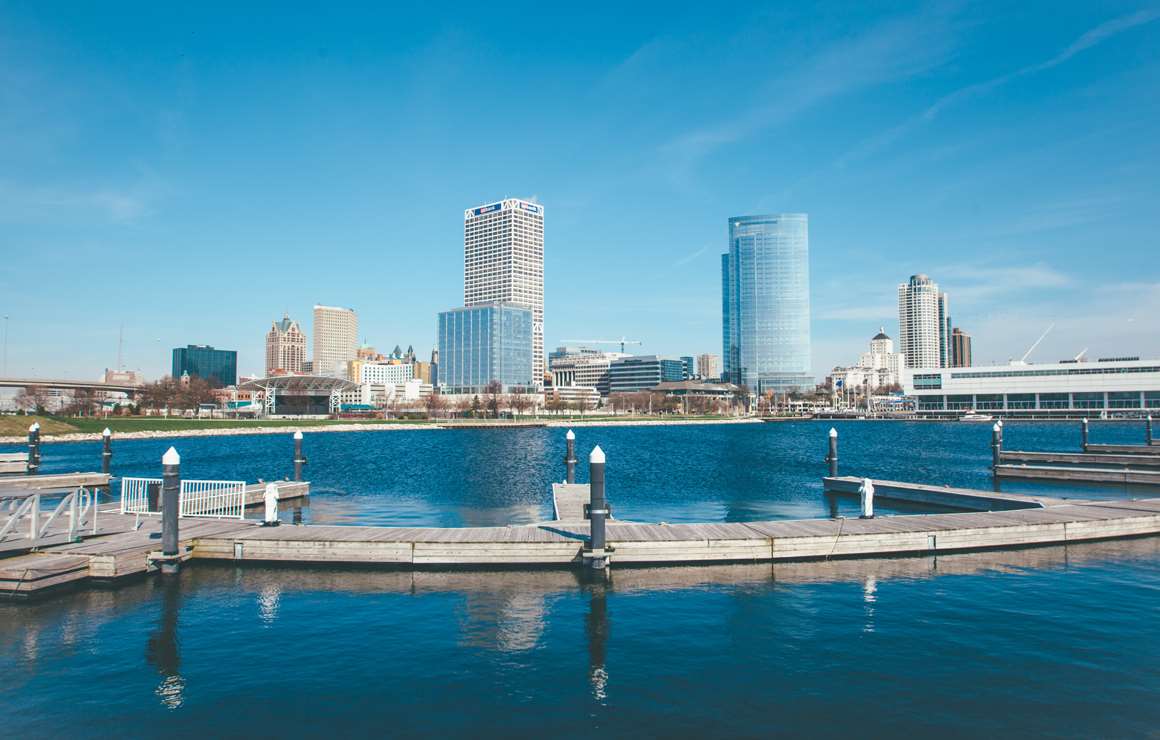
x,y
503,261
285,347
335,340
924,323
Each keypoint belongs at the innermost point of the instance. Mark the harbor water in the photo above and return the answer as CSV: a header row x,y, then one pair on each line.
x,y
1058,641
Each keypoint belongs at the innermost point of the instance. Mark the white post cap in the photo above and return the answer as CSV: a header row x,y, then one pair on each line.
x,y
597,456
996,427
107,433
1085,420
999,423
297,435
35,427
570,435
833,432
171,457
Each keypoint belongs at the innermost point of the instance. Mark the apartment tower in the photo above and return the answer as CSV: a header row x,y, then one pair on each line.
x,y
335,340
924,331
503,261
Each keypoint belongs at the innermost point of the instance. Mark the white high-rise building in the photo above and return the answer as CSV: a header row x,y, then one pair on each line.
x,y
924,323
503,260
335,340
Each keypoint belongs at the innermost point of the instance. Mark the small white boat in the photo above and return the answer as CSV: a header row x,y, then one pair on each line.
x,y
974,416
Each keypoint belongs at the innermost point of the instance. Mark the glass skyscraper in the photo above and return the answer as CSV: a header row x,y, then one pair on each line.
x,y
765,293
217,366
479,344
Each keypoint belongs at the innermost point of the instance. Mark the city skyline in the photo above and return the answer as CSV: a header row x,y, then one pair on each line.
x,y
994,153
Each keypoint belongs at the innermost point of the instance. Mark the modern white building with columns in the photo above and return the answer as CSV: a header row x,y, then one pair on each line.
x,y
1111,386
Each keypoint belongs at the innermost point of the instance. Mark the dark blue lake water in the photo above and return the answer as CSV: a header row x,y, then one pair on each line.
x,y
1057,641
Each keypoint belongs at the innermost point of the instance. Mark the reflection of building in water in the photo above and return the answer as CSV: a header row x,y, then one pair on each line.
x,y
596,628
162,650
507,621
268,600
869,598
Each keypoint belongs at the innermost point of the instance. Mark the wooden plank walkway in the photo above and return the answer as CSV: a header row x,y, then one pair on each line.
x,y
14,462
1090,459
966,499
53,482
1153,449
1123,476
561,543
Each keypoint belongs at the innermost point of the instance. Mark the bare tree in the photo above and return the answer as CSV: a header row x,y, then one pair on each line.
x,y
33,399
434,403
492,395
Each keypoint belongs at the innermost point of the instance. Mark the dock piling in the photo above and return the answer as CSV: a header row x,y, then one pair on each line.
x,y
1083,430
34,448
570,458
1148,430
107,450
170,501
996,446
299,458
597,511
832,456
866,492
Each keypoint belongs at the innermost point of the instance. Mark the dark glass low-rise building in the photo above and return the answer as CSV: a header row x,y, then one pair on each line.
x,y
639,373
219,367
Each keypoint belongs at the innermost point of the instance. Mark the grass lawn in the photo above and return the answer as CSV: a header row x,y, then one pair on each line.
x,y
17,426
94,425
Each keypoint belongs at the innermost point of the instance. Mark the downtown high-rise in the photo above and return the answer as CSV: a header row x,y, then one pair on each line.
x,y
924,323
285,347
765,296
335,340
503,261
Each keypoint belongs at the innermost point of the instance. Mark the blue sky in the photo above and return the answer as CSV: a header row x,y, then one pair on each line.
x,y
191,172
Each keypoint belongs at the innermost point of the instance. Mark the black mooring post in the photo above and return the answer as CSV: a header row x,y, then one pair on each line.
x,y
832,457
597,509
1083,430
570,458
170,501
107,450
299,458
34,448
1148,430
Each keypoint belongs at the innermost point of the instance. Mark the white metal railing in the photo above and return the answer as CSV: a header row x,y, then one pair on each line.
x,y
196,498
213,498
80,504
135,495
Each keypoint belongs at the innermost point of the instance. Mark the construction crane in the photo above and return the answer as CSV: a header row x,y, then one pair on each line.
x,y
622,341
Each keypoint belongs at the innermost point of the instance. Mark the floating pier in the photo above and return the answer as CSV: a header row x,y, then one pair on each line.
x,y
582,534
1135,465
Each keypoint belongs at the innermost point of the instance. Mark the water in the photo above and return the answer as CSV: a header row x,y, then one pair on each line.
x,y
1056,641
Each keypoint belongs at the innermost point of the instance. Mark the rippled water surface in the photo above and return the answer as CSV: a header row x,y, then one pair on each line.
x,y
1058,641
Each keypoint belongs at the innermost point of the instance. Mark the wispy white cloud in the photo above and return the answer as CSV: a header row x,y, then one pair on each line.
x,y
24,202
1087,40
690,257
895,50
972,284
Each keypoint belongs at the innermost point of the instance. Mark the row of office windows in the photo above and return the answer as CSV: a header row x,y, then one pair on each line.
x,y
1042,401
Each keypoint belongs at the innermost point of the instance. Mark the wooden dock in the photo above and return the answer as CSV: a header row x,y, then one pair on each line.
x,y
129,552
963,499
1089,459
1152,449
13,462
1121,476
